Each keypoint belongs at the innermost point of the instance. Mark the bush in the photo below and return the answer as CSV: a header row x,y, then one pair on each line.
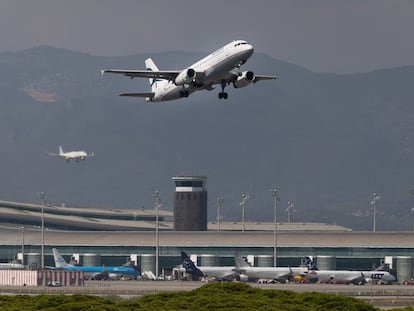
x,y
223,296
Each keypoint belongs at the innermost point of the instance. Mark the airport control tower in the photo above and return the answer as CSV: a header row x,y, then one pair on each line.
x,y
190,203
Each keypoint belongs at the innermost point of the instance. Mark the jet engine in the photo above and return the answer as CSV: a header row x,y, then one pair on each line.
x,y
243,278
244,79
185,77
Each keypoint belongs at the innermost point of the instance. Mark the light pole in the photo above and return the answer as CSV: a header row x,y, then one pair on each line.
x,y
22,228
275,198
412,195
157,240
42,201
375,198
243,201
219,201
289,210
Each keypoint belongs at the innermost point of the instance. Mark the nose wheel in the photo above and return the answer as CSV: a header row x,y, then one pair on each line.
x,y
222,94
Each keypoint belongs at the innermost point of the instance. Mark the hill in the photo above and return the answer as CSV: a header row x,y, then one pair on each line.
x,y
326,141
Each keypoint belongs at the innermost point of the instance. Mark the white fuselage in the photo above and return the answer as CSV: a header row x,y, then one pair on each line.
x,y
343,276
214,66
272,273
217,272
74,155
11,266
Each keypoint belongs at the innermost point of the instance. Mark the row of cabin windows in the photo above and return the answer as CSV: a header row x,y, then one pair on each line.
x,y
240,43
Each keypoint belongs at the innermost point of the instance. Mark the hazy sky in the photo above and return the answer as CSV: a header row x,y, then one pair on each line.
x,y
322,35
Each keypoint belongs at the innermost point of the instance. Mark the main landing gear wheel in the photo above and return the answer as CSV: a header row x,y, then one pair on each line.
x,y
184,93
223,95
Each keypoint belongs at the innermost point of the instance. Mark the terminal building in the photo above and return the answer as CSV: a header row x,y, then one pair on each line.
x,y
108,237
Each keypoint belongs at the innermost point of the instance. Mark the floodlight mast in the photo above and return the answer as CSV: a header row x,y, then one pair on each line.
x,y
157,239
219,201
275,198
375,198
289,209
42,202
243,201
22,229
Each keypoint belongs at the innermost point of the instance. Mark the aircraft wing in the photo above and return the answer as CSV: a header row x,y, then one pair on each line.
x,y
259,78
167,75
150,95
357,279
231,77
283,276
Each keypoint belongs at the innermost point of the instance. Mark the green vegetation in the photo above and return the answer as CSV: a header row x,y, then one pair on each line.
x,y
225,296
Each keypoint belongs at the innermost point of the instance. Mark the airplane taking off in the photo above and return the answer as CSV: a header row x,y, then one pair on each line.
x,y
72,155
221,67
96,272
218,272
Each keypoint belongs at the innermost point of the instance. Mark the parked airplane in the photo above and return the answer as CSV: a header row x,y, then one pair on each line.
x,y
218,273
72,155
96,272
279,274
221,67
12,265
346,276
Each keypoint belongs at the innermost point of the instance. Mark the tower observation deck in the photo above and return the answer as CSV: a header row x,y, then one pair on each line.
x,y
190,203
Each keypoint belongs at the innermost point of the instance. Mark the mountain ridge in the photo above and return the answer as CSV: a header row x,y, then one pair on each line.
x,y
326,141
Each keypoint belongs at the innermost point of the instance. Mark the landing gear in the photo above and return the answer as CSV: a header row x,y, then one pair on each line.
x,y
184,93
222,94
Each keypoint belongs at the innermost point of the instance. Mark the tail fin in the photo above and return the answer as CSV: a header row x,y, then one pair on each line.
x,y
189,265
308,262
150,65
59,261
60,150
242,262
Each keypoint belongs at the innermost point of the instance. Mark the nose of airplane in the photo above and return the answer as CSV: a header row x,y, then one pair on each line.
x,y
248,50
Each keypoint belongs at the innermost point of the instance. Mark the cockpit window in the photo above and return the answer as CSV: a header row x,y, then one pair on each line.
x,y
240,43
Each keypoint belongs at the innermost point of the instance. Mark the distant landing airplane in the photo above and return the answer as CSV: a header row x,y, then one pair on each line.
x,y
72,155
221,67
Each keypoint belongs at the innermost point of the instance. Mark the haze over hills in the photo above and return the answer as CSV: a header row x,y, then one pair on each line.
x,y
326,141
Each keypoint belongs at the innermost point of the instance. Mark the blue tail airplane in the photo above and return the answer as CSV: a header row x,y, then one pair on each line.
x,y
96,272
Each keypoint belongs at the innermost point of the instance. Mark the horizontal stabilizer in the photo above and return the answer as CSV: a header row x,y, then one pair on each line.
x,y
150,95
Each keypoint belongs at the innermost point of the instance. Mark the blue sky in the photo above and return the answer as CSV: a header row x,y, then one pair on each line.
x,y
321,35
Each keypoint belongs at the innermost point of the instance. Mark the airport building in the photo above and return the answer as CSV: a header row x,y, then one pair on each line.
x,y
109,237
